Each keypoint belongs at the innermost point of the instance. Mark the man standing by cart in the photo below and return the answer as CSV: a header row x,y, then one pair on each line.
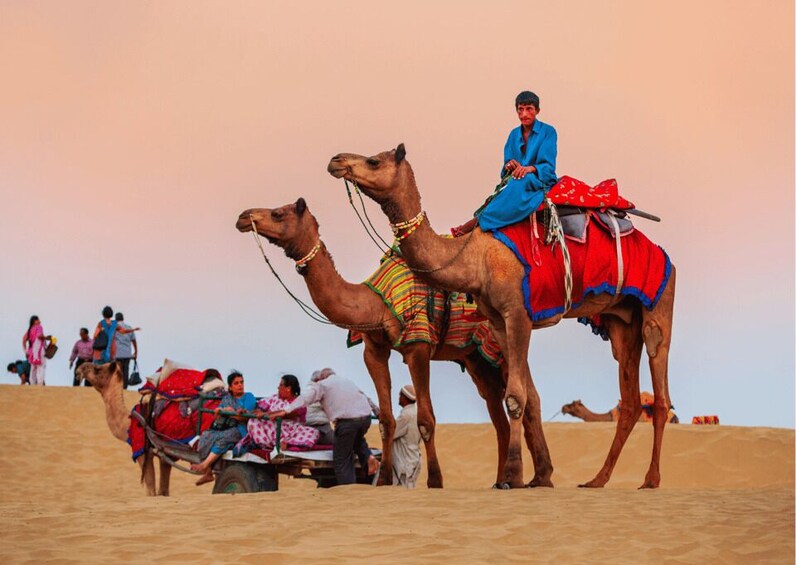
x,y
350,410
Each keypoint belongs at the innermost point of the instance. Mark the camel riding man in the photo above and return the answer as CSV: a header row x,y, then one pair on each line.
x,y
529,157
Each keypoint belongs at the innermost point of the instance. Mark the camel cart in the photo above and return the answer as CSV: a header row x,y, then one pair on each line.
x,y
256,470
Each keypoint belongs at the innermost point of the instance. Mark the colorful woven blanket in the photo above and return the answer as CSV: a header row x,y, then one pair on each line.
x,y
183,384
594,268
421,310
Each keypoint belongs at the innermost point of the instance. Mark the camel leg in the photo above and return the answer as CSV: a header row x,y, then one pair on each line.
x,y
490,385
376,360
147,472
165,478
626,345
657,333
520,391
418,358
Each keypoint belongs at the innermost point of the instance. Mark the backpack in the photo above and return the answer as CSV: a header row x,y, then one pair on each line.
x,y
101,341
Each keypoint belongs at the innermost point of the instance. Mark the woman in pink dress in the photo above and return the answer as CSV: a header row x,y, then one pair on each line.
x,y
262,431
34,342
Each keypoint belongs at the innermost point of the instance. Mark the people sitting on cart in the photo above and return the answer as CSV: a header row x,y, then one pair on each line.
x,y
226,430
294,433
350,411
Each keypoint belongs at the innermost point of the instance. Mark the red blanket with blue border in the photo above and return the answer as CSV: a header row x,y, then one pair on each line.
x,y
594,268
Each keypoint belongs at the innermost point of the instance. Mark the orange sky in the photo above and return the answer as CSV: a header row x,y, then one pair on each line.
x,y
132,134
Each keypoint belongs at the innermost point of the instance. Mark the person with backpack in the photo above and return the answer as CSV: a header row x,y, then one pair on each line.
x,y
104,345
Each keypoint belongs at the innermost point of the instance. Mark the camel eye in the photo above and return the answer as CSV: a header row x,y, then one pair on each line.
x,y
372,162
276,215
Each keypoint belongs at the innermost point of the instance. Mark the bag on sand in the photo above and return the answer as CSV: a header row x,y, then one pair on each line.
x,y
49,352
135,376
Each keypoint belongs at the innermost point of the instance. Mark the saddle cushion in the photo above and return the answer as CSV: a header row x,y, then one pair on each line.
x,y
569,191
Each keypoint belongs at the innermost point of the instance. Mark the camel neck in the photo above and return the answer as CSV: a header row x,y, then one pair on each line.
x,y
342,302
440,260
116,413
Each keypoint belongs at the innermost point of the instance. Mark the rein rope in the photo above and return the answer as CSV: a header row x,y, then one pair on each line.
x,y
409,225
556,232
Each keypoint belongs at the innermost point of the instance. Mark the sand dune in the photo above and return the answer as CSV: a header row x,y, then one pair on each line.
x,y
71,494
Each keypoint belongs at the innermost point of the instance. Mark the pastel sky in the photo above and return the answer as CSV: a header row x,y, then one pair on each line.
x,y
132,134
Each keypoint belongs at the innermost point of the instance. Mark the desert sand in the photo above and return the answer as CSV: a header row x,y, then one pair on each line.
x,y
72,494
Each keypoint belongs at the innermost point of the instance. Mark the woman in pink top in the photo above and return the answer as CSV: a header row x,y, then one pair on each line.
x,y
34,342
294,432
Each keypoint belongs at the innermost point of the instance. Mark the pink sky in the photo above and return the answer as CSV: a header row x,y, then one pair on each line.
x,y
132,135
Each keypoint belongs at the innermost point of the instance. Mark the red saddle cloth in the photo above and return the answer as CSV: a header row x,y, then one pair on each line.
x,y
182,383
594,268
570,191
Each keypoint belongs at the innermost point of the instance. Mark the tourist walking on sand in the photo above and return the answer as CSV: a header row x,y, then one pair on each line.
x,y
126,348
406,441
349,409
34,342
82,352
104,343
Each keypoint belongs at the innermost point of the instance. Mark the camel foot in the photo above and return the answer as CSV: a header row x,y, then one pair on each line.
x,y
506,485
594,483
540,482
434,481
204,479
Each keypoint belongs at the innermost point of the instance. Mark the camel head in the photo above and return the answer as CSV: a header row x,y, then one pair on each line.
x,y
100,376
574,408
291,227
377,176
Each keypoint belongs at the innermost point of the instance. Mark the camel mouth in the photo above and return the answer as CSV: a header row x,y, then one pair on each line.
x,y
337,171
244,224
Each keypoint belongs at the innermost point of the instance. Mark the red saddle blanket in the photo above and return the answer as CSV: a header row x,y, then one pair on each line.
x,y
184,384
594,268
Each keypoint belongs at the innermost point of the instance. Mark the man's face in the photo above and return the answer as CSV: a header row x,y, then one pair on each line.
x,y
527,114
84,335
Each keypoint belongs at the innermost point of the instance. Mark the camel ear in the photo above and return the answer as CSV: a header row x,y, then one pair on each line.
x,y
301,206
400,153
112,367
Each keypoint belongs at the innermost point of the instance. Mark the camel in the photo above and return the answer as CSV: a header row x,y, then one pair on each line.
x,y
294,229
577,409
484,267
107,379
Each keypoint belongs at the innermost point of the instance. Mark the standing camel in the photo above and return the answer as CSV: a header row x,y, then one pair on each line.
x,y
108,381
294,229
483,266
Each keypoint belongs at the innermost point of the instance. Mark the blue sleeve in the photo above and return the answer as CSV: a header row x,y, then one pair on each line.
x,y
507,153
248,402
546,163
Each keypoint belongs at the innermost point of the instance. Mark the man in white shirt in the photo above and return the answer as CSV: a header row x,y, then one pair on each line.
x,y
406,441
350,410
126,348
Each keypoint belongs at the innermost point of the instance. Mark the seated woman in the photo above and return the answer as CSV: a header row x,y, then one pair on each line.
x,y
226,431
294,433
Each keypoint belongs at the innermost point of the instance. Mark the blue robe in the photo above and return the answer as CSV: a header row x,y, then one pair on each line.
x,y
521,197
